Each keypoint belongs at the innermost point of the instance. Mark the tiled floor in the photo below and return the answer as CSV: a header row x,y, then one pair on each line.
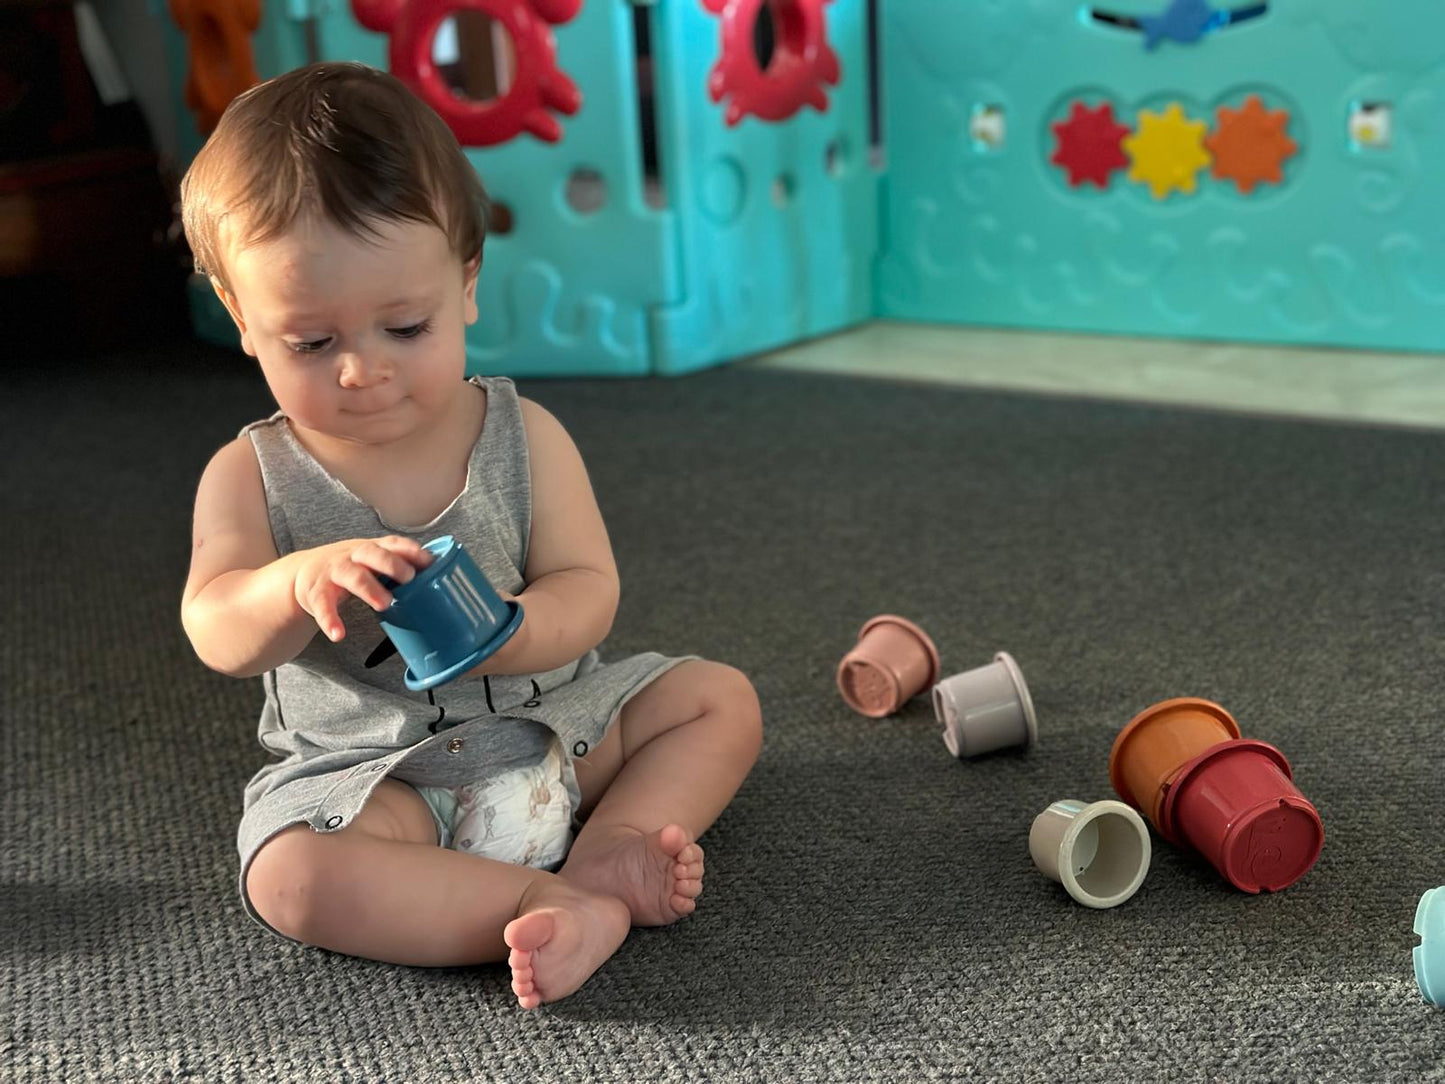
x,y
1376,388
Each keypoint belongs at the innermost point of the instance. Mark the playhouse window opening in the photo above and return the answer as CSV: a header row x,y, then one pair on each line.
x,y
586,191
1108,18
654,193
765,36
474,55
499,218
1244,15
780,27
1224,17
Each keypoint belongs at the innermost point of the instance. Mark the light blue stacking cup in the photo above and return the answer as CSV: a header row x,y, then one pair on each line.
x,y
448,618
1430,952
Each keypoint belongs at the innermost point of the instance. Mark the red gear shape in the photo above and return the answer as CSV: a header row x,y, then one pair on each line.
x,y
1089,144
538,84
802,63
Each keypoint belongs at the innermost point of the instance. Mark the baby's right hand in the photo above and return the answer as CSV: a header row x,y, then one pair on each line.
x,y
328,574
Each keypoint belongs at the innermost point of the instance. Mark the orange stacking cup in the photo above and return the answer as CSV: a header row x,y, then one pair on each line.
x,y
1158,742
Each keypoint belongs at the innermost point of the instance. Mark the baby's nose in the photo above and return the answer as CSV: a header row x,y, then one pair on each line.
x,y
362,370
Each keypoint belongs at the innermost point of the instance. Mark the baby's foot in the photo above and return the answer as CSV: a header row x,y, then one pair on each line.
x,y
559,940
658,875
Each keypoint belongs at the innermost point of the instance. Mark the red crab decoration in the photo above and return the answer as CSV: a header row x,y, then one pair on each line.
x,y
802,61
538,85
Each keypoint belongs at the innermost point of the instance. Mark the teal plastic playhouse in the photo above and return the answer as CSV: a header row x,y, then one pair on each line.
x,y
681,183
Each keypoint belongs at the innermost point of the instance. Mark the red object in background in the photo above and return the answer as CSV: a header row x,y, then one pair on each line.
x,y
1090,144
538,86
802,61
218,45
1237,805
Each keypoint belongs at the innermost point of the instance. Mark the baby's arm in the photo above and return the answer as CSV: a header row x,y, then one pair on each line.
x,y
572,589
245,609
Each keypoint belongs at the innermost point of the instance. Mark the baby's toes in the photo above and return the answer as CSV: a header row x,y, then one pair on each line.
x,y
689,887
689,855
523,979
682,905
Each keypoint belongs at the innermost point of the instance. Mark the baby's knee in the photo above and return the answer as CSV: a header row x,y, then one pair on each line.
x,y
731,691
285,886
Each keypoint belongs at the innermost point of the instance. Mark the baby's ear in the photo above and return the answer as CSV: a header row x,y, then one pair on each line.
x,y
229,300
470,272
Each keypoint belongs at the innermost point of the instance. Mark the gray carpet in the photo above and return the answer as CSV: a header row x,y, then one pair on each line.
x,y
871,912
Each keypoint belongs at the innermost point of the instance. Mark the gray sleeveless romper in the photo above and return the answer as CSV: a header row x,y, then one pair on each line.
x,y
338,726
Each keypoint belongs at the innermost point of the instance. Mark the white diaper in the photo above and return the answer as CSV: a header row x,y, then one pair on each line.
x,y
523,817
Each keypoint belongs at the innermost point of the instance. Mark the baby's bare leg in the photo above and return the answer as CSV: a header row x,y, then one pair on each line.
x,y
381,888
676,757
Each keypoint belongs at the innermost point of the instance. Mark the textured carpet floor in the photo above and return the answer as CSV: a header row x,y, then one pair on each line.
x,y
871,912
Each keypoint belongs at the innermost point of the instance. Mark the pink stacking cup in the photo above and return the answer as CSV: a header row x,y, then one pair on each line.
x,y
1237,805
893,661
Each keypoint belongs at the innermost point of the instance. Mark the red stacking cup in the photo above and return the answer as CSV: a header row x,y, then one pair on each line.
x,y
1237,805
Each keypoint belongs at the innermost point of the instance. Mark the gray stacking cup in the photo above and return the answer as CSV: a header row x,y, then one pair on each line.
x,y
985,709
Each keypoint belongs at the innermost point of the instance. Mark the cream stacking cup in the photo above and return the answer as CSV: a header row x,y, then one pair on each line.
x,y
1099,852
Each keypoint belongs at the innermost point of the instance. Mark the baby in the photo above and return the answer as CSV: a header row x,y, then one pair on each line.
x,y
342,227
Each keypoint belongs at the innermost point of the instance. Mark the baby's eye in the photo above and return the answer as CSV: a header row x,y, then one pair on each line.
x,y
411,331
314,346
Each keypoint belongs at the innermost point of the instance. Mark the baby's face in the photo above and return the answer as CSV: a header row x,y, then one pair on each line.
x,y
359,339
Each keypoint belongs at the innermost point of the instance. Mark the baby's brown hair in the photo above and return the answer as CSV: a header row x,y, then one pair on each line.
x,y
337,138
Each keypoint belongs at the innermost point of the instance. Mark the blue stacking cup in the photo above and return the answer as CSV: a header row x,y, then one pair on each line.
x,y
448,618
1430,953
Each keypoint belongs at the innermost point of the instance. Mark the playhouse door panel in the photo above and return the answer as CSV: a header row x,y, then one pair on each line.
x,y
1121,168
773,195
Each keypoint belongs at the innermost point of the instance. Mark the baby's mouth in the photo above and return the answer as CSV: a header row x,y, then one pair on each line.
x,y
369,410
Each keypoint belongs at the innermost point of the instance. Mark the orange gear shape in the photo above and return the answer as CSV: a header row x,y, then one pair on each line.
x,y
1089,144
803,62
1249,144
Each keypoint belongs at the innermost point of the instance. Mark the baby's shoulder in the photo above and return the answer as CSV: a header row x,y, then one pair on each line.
x,y
546,436
231,489
233,466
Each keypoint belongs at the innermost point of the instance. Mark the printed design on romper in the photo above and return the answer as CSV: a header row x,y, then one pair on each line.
x,y
1167,151
802,61
386,649
1249,144
538,86
1090,144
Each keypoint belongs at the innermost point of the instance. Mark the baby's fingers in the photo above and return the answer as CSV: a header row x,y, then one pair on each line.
x,y
321,604
413,552
397,563
356,576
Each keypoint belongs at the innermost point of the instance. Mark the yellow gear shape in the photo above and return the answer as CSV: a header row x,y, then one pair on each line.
x,y
1167,151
